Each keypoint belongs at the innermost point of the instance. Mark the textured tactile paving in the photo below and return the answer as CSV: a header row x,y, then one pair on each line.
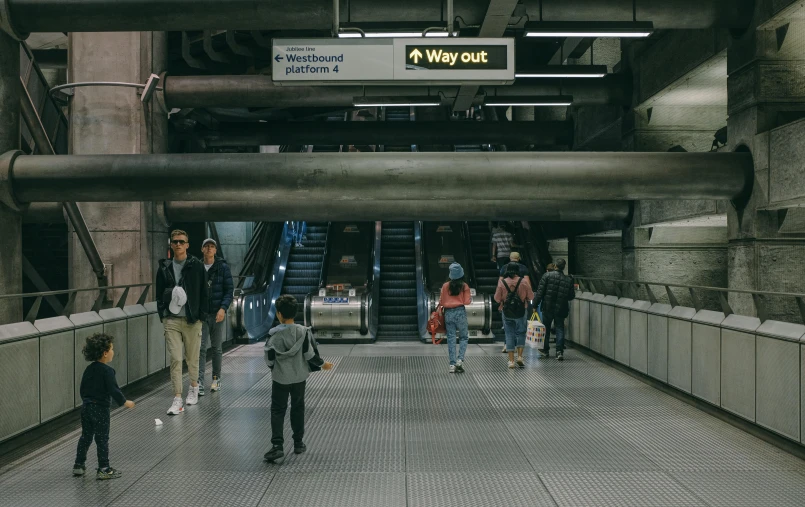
x,y
384,428
745,489
617,489
451,489
169,487
336,490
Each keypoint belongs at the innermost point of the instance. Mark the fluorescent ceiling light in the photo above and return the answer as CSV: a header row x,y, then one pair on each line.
x,y
389,35
596,29
392,30
526,101
395,101
563,71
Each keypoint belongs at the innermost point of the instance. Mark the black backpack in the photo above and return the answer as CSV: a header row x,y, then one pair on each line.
x,y
513,306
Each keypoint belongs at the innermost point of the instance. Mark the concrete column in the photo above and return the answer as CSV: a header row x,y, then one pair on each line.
x,y
10,220
130,236
235,238
767,100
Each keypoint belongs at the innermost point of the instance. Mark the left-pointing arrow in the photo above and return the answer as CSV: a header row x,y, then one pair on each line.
x,y
277,58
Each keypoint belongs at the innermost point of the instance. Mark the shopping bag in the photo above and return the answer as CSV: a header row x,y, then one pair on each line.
x,y
535,335
436,325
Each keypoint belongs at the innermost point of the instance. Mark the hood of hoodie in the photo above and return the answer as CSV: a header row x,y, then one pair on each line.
x,y
289,338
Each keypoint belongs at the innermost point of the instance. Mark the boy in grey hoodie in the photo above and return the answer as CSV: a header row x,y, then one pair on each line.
x,y
290,352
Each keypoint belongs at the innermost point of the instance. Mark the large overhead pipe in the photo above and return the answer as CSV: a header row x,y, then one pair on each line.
x,y
573,176
294,209
260,91
25,16
388,133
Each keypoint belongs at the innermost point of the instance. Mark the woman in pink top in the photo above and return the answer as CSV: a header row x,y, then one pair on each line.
x,y
454,297
514,325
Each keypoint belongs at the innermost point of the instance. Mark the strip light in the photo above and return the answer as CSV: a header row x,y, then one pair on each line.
x,y
396,101
634,29
535,101
563,71
389,35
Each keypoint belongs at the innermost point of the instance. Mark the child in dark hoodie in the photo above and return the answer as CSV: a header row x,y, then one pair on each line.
x,y
290,353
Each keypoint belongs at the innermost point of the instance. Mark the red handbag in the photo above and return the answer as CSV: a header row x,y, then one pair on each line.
x,y
436,324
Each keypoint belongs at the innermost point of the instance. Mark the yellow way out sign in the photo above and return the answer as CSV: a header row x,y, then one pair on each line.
x,y
456,57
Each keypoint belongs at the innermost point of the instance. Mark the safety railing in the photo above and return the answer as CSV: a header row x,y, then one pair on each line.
x,y
100,301
629,288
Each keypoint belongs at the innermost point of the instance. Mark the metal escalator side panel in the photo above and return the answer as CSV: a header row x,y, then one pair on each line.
x,y
374,300
421,291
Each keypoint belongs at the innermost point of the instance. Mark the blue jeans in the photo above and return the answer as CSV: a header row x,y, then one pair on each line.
x,y
515,332
455,320
559,322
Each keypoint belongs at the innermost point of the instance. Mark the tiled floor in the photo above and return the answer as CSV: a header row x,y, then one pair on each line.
x,y
389,426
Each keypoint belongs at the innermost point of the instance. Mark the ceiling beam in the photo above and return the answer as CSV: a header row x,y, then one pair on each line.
x,y
494,25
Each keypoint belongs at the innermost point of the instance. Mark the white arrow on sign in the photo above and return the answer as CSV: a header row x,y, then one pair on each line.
x,y
415,55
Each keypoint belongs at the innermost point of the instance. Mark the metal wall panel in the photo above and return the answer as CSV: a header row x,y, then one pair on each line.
x,y
679,347
584,323
595,322
608,326
638,336
778,386
802,393
622,330
19,373
81,334
137,352
706,362
738,373
570,332
57,389
114,323
156,344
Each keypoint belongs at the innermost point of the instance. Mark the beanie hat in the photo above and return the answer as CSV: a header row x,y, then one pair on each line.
x,y
456,271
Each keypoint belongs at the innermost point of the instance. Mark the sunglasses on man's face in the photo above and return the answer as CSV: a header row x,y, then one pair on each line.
x,y
178,241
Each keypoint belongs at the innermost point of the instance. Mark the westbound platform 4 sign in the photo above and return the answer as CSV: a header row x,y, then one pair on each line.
x,y
355,61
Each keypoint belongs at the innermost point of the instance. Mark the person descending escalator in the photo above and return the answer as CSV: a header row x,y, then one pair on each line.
x,y
455,295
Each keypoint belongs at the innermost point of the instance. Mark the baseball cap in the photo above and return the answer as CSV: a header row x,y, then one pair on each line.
x,y
209,240
178,300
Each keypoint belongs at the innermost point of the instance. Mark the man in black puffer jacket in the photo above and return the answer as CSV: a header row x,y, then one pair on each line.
x,y
220,287
555,292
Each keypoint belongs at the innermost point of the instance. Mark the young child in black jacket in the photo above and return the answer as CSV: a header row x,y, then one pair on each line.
x,y
98,385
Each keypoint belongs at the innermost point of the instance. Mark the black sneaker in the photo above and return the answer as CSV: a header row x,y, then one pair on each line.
x,y
459,366
276,452
544,353
299,448
201,389
560,356
107,473
78,470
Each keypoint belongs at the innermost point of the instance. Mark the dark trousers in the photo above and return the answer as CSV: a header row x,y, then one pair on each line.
x,y
559,323
95,421
279,404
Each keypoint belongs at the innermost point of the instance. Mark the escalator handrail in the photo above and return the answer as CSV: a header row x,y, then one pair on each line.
x,y
325,257
374,314
470,268
421,288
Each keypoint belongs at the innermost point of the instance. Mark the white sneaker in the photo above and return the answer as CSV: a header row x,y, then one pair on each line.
x,y
192,395
177,407
511,364
216,384
452,369
520,362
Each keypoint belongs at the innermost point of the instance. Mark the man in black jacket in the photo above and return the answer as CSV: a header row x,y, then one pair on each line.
x,y
182,305
220,287
555,292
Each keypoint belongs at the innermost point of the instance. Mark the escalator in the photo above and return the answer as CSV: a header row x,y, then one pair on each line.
x,y
486,271
398,286
303,271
